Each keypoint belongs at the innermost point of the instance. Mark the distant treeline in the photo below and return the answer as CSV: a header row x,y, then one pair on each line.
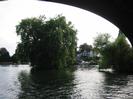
x,y
4,56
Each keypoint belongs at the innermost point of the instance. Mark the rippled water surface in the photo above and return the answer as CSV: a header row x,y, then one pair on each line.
x,y
16,82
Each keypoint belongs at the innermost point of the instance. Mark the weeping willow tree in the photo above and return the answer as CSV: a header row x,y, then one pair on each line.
x,y
48,44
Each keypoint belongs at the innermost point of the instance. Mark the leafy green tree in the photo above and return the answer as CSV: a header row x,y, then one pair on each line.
x,y
123,54
14,58
85,47
100,41
107,57
48,44
118,55
20,55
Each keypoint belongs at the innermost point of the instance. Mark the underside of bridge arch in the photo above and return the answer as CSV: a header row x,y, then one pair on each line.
x,y
119,12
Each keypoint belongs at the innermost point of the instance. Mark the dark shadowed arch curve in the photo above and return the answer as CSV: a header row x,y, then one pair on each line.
x,y
119,12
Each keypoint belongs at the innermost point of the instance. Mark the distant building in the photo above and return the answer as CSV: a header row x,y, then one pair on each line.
x,y
85,53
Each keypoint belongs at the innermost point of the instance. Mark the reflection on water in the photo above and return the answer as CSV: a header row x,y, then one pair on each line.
x,y
48,84
118,86
83,83
9,84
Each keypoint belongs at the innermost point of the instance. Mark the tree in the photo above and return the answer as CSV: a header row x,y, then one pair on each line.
x,y
100,41
84,51
123,55
4,55
20,55
118,55
107,57
85,47
48,44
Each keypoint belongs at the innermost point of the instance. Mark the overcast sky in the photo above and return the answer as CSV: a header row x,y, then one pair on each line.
x,y
87,23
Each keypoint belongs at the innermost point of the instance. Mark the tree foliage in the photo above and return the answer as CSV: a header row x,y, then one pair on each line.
x,y
100,41
85,47
48,44
118,55
20,55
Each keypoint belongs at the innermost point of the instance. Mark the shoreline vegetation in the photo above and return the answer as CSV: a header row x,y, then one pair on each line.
x,y
49,44
116,55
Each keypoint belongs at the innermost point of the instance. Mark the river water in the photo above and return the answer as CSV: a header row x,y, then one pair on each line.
x,y
16,82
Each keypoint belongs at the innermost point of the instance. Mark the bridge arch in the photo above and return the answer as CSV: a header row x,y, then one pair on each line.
x,y
118,12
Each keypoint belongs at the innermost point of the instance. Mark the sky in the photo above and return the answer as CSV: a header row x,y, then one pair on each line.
x,y
87,24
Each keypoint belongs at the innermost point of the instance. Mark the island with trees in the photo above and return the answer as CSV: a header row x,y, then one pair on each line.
x,y
47,44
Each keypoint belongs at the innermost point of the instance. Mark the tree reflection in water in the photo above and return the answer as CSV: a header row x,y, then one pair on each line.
x,y
83,83
47,84
114,85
